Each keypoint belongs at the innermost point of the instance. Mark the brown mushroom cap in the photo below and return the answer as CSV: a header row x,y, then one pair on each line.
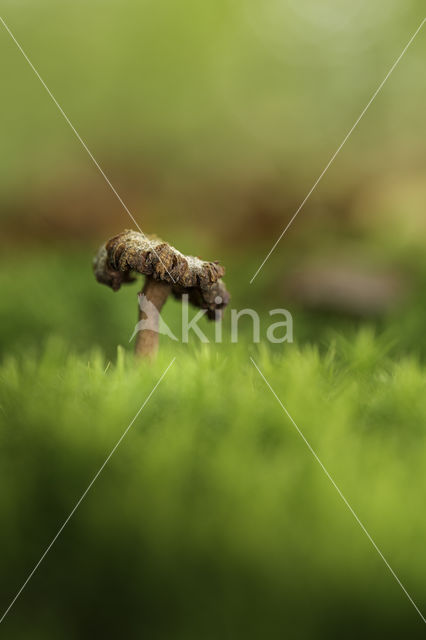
x,y
131,251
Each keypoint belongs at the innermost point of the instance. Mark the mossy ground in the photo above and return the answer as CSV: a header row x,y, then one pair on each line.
x,y
212,518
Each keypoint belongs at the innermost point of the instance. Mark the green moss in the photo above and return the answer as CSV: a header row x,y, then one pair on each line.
x,y
212,518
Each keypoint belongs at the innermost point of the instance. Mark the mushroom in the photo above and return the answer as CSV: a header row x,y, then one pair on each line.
x,y
166,271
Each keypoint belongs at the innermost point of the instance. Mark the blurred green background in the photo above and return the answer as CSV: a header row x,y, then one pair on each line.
x,y
213,120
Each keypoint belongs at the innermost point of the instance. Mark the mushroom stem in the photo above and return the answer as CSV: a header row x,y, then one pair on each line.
x,y
155,293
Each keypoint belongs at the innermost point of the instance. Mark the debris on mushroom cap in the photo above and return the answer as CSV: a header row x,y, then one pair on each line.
x,y
131,251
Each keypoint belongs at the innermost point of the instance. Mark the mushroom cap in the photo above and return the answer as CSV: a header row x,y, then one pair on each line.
x,y
131,251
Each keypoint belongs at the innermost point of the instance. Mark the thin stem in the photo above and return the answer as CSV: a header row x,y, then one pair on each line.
x,y
153,296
